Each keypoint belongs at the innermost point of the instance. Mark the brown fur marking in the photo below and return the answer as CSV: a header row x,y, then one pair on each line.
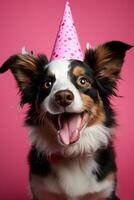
x,y
23,79
107,65
27,62
78,71
96,111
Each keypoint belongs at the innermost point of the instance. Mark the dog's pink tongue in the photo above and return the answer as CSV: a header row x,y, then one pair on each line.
x,y
69,128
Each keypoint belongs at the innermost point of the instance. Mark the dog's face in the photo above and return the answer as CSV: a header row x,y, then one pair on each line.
x,y
70,87
70,97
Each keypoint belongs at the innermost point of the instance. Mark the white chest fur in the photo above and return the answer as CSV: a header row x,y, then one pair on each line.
x,y
72,178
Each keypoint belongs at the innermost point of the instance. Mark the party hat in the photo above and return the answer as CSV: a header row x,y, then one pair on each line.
x,y
67,45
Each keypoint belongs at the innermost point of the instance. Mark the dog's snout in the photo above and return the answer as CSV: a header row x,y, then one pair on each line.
x,y
64,97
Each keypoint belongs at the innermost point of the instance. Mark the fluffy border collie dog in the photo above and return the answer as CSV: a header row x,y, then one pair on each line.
x,y
71,121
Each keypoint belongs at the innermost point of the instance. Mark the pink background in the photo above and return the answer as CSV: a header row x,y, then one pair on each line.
x,y
34,24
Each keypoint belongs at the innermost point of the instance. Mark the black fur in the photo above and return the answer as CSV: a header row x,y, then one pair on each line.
x,y
38,163
113,197
106,162
92,92
43,93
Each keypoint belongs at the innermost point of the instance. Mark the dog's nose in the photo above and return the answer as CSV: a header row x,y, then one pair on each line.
x,y
64,97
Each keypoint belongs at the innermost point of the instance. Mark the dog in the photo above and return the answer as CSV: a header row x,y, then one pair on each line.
x,y
71,122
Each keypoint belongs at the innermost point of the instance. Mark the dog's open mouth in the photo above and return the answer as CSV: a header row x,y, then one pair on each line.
x,y
69,125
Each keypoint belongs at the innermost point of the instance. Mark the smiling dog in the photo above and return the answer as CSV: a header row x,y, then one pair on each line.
x,y
71,122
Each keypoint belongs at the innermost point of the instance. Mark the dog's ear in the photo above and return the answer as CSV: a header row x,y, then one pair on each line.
x,y
27,71
106,61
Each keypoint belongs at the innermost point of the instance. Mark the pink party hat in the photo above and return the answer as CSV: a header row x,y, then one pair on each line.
x,y
67,45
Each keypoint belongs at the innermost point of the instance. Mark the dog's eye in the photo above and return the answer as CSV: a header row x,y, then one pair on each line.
x,y
83,82
47,84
